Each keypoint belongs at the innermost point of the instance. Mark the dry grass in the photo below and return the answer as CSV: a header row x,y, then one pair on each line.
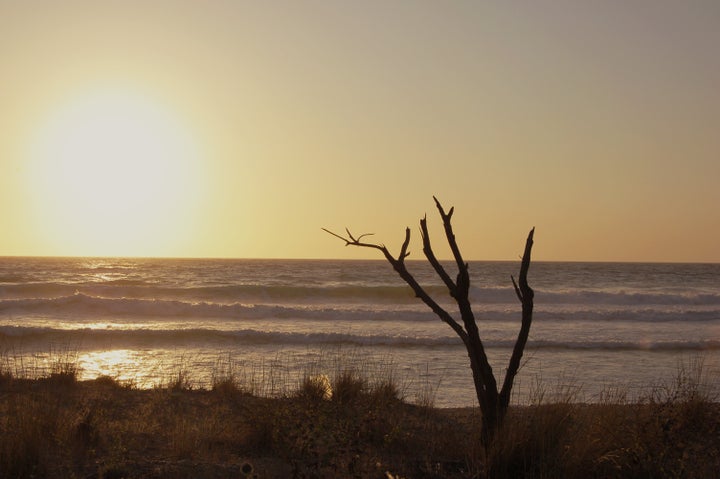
x,y
57,427
101,428
672,432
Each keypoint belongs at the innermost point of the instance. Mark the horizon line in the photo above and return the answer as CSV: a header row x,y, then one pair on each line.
x,y
238,258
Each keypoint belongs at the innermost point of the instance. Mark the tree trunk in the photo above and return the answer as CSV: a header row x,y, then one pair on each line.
x,y
493,403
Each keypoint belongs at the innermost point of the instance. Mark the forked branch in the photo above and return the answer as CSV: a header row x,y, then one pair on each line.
x,y
493,403
350,240
399,265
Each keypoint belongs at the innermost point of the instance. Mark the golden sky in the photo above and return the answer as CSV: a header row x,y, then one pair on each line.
x,y
239,129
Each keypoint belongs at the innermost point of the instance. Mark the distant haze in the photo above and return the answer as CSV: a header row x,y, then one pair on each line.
x,y
239,129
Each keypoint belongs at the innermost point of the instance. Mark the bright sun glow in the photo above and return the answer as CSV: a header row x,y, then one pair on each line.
x,y
114,174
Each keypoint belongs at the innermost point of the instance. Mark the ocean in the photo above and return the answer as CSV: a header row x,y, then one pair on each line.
x,y
598,327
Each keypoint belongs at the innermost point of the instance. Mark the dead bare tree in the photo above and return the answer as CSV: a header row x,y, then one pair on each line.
x,y
493,401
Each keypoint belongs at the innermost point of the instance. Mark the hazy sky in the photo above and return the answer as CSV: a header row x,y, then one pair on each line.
x,y
239,129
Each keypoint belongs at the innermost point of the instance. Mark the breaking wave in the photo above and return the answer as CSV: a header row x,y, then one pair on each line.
x,y
82,306
338,293
199,336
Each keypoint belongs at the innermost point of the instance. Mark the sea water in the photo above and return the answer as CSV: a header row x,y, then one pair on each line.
x,y
596,327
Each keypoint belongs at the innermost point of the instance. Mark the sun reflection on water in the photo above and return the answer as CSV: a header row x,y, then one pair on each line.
x,y
121,364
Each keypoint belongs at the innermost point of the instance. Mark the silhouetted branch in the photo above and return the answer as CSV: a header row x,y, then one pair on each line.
x,y
430,255
446,219
517,289
493,403
399,265
347,242
526,296
485,379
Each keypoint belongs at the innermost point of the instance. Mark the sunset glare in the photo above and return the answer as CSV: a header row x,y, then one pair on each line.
x,y
240,129
114,174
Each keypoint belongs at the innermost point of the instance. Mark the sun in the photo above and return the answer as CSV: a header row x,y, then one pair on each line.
x,y
113,173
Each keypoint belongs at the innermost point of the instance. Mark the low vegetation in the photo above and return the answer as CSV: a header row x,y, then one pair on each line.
x,y
344,424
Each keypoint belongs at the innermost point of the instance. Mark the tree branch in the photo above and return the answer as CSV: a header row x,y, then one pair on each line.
x,y
446,218
399,265
352,241
403,250
517,290
461,292
526,295
430,255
